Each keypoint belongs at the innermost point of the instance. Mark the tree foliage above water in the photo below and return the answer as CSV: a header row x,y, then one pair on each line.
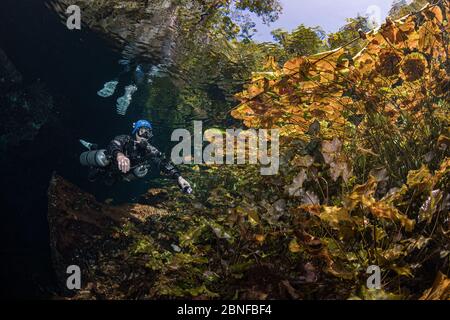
x,y
302,41
401,8
348,33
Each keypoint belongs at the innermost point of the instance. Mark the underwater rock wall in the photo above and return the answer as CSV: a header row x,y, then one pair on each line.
x,y
26,160
8,72
24,108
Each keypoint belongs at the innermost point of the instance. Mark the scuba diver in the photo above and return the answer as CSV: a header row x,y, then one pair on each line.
x,y
129,157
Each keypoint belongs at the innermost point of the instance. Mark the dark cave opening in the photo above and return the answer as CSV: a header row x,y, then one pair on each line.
x,y
72,66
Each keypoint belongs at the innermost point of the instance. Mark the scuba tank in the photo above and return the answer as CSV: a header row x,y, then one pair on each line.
x,y
96,158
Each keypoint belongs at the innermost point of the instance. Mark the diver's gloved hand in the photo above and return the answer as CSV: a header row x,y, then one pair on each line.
x,y
123,163
184,185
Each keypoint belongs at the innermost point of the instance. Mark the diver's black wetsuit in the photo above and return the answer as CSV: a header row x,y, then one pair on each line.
x,y
139,153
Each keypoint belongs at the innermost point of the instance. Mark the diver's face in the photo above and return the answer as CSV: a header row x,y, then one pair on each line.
x,y
144,134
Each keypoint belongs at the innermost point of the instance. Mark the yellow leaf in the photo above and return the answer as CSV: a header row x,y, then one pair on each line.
x,y
376,294
402,271
361,192
294,247
383,210
334,216
260,237
419,178
293,66
253,217
271,64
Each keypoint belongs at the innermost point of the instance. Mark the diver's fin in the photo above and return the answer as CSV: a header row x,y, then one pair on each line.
x,y
86,144
124,101
108,89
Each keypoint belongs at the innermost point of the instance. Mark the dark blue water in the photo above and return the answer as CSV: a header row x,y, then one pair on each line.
x,y
73,66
